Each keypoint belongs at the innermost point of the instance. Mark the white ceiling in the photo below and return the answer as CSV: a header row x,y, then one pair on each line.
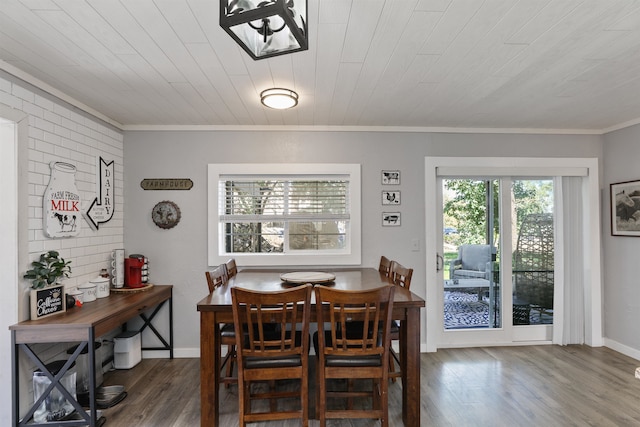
x,y
568,65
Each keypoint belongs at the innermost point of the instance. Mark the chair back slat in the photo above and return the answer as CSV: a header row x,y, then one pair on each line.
x,y
357,321
276,323
272,344
400,275
216,277
232,268
385,266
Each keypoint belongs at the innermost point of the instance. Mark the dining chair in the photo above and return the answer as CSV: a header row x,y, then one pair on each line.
x,y
385,266
268,354
399,275
216,278
344,353
232,268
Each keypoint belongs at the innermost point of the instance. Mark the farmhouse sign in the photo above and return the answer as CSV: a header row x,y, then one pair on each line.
x,y
166,184
101,209
61,202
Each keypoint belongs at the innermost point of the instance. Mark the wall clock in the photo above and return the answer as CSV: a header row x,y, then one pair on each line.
x,y
165,214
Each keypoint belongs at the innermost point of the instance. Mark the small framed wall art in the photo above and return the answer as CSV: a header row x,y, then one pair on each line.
x,y
391,197
390,177
391,219
625,209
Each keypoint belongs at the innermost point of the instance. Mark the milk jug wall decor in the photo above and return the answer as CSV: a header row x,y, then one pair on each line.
x,y
61,202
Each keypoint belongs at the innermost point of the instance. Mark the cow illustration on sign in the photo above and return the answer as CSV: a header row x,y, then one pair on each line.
x,y
390,177
61,202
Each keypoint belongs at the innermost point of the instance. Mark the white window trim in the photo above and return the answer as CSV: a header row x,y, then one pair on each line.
x,y
216,254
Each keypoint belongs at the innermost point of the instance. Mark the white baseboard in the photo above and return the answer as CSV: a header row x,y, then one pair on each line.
x,y
621,348
178,353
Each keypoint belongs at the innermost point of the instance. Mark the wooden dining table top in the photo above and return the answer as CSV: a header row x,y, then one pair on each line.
x,y
266,280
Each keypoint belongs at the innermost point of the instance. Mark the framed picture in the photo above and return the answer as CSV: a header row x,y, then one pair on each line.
x,y
390,177
391,197
625,208
391,219
47,301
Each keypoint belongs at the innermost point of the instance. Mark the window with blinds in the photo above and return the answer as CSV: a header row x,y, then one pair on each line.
x,y
282,214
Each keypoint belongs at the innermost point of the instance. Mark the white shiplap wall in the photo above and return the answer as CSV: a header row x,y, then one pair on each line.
x,y
58,132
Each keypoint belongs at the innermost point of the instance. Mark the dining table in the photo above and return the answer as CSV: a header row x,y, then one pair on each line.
x,y
216,309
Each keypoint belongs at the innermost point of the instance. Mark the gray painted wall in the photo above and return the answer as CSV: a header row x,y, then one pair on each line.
x,y
179,256
621,285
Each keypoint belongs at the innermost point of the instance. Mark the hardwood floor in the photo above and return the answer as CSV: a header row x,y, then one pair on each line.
x,y
496,386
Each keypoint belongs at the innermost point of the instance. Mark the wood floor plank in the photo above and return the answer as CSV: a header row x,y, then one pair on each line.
x,y
494,386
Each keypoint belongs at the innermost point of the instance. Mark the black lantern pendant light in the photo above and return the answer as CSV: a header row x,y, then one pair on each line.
x,y
266,28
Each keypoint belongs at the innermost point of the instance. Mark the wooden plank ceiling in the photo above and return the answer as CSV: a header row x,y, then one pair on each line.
x,y
532,64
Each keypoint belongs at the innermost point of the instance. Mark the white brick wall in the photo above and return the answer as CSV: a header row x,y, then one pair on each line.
x,y
58,133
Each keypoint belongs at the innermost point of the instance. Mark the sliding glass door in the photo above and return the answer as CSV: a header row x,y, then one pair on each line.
x,y
471,227
474,289
518,241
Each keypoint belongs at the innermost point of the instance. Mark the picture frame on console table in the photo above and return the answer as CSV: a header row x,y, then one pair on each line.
x,y
47,301
625,208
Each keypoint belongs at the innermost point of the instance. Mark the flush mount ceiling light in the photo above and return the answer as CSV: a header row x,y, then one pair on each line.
x,y
278,98
266,28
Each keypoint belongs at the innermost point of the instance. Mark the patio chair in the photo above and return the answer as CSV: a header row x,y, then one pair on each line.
x,y
533,268
473,262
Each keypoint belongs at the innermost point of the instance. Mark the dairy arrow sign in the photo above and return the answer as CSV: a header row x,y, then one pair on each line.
x,y
101,209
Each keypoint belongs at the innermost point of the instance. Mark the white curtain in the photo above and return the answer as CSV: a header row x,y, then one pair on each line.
x,y
569,289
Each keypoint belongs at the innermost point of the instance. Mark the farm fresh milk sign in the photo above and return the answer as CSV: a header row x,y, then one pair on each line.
x,y
61,202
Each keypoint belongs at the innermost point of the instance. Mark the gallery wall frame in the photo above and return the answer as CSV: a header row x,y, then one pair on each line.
x,y
390,177
625,208
391,219
390,197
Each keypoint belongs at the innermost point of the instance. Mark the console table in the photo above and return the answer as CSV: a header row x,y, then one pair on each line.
x,y
83,325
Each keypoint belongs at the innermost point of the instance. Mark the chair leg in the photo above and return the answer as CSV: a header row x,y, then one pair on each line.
x,y
394,359
231,356
384,402
273,403
392,369
321,396
241,403
304,397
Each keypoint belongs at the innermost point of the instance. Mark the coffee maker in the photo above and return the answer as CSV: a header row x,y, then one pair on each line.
x,y
133,271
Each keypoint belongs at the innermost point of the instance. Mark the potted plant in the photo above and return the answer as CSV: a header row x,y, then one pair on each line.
x,y
47,295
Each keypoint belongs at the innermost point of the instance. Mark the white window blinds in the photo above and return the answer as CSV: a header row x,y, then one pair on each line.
x,y
294,198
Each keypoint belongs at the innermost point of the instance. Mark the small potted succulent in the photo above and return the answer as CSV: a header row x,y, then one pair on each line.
x,y
47,295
